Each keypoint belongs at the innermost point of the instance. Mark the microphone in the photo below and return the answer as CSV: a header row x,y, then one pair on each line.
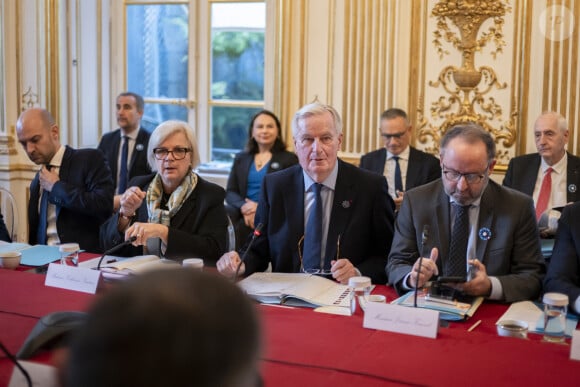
x,y
116,248
424,238
257,232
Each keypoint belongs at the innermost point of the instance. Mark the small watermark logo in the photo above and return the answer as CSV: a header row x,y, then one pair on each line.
x,y
557,23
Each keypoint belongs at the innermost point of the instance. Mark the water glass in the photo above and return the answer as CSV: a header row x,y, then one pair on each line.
x,y
69,254
555,309
360,290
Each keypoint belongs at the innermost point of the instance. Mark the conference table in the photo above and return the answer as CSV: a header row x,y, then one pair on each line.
x,y
304,348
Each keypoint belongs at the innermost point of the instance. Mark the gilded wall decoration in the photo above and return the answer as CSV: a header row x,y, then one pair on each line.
x,y
468,90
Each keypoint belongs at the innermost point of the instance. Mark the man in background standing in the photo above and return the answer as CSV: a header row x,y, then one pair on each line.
x,y
126,148
403,166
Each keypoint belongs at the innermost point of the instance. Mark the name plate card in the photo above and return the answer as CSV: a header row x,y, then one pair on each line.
x,y
402,319
79,279
575,346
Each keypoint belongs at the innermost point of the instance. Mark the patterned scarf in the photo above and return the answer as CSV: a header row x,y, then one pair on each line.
x,y
176,200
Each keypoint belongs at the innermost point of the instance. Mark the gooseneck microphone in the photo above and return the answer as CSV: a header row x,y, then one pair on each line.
x,y
424,238
257,232
116,248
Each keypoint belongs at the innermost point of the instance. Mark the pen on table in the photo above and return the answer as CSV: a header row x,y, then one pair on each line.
x,y
474,326
279,306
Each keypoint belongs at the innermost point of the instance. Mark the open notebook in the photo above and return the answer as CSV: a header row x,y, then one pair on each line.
x,y
296,289
120,267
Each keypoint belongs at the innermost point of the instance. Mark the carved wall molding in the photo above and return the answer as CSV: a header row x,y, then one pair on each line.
x,y
468,90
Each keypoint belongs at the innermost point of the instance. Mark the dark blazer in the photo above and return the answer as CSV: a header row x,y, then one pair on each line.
x,y
362,217
198,229
564,270
138,165
522,173
238,181
512,254
83,197
422,168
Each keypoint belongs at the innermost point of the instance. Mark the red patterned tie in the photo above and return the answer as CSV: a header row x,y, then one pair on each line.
x,y
545,192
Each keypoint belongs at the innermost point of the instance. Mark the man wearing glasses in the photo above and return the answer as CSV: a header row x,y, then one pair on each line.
x,y
467,227
323,216
403,166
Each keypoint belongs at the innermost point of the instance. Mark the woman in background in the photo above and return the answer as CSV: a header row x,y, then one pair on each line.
x,y
265,152
174,213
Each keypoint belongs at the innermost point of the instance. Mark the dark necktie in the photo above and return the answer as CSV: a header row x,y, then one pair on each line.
x,y
313,233
123,173
398,177
457,265
43,215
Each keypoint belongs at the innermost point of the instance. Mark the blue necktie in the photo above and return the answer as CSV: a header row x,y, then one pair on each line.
x,y
43,216
457,265
123,173
313,234
398,177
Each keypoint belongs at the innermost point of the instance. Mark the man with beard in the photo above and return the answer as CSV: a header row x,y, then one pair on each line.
x,y
474,225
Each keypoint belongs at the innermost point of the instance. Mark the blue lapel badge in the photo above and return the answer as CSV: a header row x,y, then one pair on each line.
x,y
484,234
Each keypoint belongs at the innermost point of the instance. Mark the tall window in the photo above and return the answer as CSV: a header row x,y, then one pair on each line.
x,y
166,64
237,73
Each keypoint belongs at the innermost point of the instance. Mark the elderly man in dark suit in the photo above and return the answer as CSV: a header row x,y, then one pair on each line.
x,y
74,186
551,166
403,166
474,225
323,215
126,148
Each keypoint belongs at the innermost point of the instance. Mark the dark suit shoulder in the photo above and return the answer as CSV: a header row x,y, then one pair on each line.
x,y
525,158
86,154
373,154
504,195
422,155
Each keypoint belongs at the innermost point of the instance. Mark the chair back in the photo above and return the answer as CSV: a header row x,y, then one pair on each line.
x,y
9,212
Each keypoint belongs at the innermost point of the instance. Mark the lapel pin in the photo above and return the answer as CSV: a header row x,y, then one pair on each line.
x,y
139,147
572,188
484,234
346,203
275,165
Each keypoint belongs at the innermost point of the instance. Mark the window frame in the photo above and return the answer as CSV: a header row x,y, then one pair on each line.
x,y
199,99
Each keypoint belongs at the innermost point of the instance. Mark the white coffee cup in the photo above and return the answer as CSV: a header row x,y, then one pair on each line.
x,y
10,259
193,263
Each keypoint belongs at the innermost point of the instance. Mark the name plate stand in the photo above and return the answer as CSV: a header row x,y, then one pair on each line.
x,y
79,279
402,319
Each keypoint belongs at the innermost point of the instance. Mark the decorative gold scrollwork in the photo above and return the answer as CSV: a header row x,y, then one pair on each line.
x,y
468,88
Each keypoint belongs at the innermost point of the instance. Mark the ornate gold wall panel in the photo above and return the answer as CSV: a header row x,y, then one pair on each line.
x,y
369,57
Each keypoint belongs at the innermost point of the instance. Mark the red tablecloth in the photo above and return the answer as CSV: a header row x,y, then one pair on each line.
x,y
302,347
